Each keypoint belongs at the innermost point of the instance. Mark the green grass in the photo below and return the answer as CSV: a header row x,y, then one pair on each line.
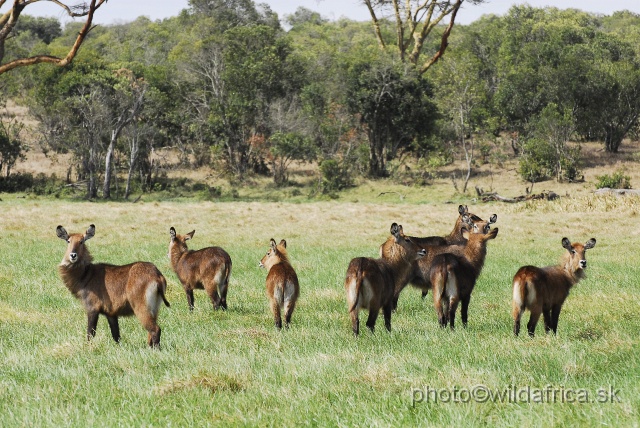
x,y
234,368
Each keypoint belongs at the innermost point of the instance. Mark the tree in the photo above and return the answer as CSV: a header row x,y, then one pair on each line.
x,y
11,17
545,151
126,104
11,146
392,102
415,20
460,92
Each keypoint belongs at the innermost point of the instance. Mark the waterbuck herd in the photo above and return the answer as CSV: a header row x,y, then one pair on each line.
x,y
449,266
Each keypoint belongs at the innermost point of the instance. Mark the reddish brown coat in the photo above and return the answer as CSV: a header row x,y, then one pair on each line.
x,y
113,291
282,284
208,268
420,276
453,276
370,283
544,290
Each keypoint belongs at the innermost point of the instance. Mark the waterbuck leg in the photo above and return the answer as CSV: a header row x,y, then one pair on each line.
x,y
355,322
190,300
115,328
516,322
277,319
289,306
555,314
386,311
92,323
453,306
464,310
533,321
548,324
373,316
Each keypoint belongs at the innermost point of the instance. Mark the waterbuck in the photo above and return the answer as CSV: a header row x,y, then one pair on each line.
x,y
544,290
283,288
113,291
370,283
207,268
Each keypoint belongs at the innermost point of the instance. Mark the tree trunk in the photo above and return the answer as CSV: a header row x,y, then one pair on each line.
x,y
376,158
132,163
108,167
612,140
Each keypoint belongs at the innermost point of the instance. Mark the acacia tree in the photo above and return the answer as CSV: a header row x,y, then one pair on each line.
x,y
11,17
415,21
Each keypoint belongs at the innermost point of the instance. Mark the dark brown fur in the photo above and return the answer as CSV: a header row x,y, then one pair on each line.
x,y
453,277
420,276
283,288
208,268
113,291
455,237
544,290
370,282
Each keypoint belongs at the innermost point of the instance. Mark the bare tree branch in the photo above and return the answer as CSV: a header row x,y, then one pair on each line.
x,y
414,22
9,20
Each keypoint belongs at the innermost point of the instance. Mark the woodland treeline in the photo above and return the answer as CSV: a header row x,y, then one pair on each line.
x,y
233,87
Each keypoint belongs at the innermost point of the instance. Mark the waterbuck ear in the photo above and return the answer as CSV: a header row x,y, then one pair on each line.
x,y
62,234
273,243
462,209
465,233
189,235
394,229
567,244
172,232
493,233
590,243
493,219
90,232
466,219
283,243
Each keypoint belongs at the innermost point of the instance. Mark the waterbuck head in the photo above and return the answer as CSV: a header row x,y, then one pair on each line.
x,y
76,249
275,254
403,247
475,224
178,243
575,260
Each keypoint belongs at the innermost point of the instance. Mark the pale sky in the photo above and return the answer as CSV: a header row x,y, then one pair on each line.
x,y
118,11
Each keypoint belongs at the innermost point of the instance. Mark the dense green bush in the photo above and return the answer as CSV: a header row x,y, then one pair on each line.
x,y
616,181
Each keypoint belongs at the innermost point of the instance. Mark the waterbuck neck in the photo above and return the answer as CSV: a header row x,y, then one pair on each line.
x,y
76,275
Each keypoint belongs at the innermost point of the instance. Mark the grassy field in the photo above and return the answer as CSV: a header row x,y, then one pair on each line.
x,y
234,368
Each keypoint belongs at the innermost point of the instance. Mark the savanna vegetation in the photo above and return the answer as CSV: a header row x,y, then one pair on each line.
x,y
246,126
230,89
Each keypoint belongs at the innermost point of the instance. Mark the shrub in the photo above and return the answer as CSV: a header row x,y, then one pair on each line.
x,y
616,181
335,176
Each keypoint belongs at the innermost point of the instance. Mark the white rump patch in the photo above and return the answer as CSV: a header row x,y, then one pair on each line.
x,y
153,298
517,298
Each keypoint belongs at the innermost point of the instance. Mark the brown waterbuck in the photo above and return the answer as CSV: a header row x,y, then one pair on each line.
x,y
453,276
420,276
208,268
283,288
455,236
370,283
544,290
113,291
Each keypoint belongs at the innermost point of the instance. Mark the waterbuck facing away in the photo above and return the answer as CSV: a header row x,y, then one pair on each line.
x,y
282,282
370,283
113,291
207,268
